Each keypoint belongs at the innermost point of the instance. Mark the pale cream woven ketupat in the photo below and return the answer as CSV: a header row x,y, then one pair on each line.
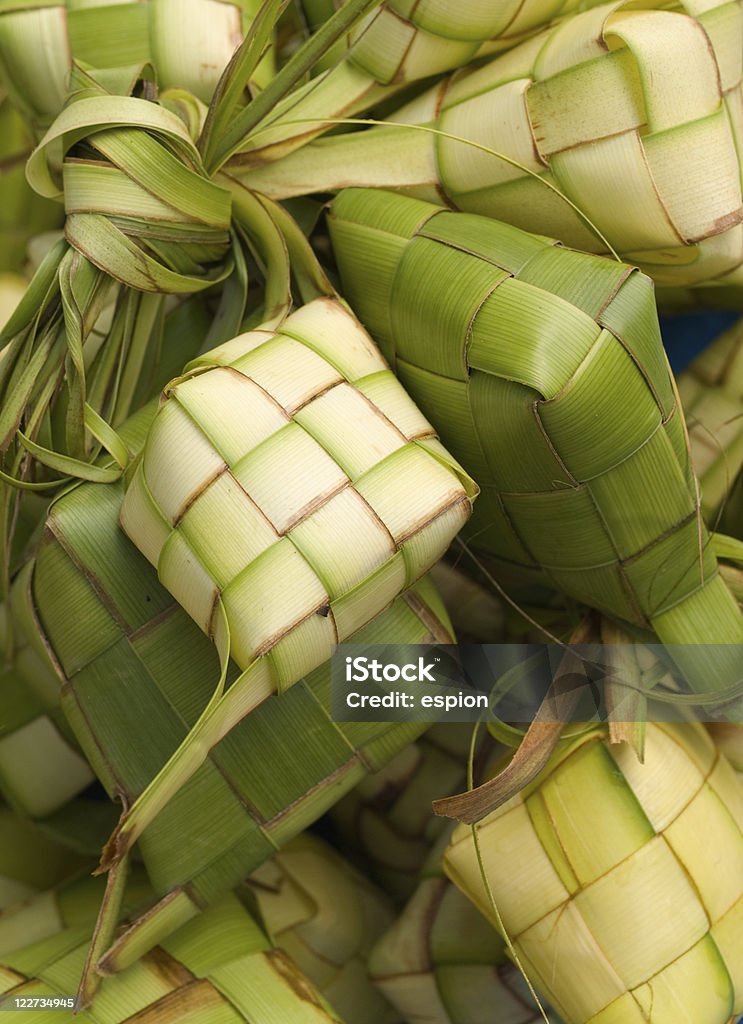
x,y
620,883
290,480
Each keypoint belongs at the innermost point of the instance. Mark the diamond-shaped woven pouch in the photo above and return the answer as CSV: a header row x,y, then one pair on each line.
x,y
634,868
544,371
290,481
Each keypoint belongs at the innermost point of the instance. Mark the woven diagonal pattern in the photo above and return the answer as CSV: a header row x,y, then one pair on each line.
x,y
137,672
442,961
296,486
607,859
545,374
219,969
636,116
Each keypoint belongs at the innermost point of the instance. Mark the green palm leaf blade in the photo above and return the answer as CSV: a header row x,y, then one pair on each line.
x,y
585,863
219,969
188,43
598,147
136,673
89,341
544,371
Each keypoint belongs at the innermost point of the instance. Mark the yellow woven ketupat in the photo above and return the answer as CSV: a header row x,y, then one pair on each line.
x,y
620,883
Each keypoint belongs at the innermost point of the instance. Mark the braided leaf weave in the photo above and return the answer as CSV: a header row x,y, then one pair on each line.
x,y
648,151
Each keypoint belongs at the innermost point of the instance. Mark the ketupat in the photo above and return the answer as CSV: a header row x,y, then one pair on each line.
x,y
309,901
544,371
125,626
621,884
219,969
396,44
326,916
618,109
386,821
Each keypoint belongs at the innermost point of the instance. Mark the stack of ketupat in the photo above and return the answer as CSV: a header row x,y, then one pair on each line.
x,y
175,574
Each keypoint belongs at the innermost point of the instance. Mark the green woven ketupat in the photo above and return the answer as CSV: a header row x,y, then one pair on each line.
x,y
137,673
620,884
543,370
634,115
291,463
219,969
